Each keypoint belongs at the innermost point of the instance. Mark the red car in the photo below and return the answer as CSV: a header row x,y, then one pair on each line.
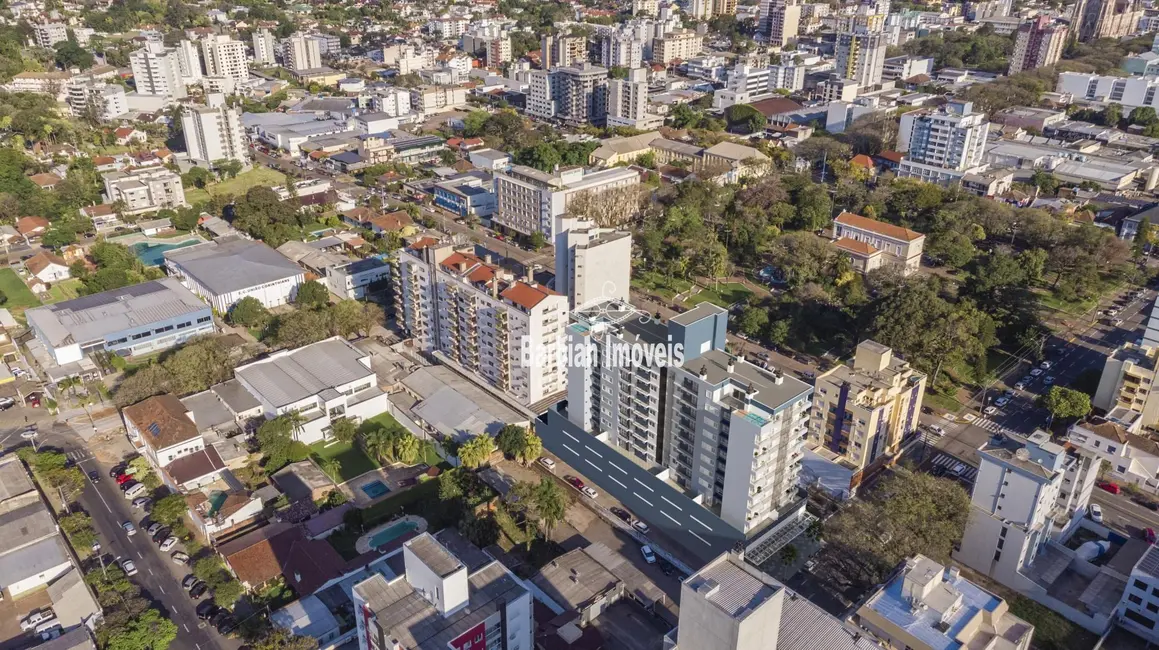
x,y
123,479
1149,535
576,483
1110,487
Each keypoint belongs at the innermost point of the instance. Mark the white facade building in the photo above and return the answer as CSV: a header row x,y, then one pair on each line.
x,y
622,50
780,22
106,100
214,132
225,57
224,271
592,264
189,60
1129,92
145,190
942,144
747,84
265,47
861,57
530,200
628,102
300,52
157,71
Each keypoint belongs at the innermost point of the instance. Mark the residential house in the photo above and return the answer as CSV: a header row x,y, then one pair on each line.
x,y
282,550
126,135
46,181
47,267
162,429
31,228
355,280
1131,458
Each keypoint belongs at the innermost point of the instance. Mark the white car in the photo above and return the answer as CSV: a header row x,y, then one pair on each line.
x,y
130,530
141,502
1118,322
641,526
649,556
990,410
1096,513
1036,372
937,430
1001,401
129,567
154,528
180,558
1020,386
589,492
547,462
36,618
1045,365
168,544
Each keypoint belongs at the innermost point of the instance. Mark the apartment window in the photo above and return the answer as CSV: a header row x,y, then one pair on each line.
x,y
997,555
1003,533
1140,585
1001,543
205,319
1150,96
1135,599
1111,449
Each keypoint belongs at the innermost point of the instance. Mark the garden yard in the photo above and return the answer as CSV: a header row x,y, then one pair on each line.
x,y
659,285
65,290
353,461
387,421
723,295
19,296
237,185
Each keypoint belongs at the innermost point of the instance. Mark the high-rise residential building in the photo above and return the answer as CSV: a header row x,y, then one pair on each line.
x,y
780,22
1128,92
1097,19
157,71
1013,507
49,34
562,51
650,7
1138,608
915,608
542,94
265,46
942,144
863,410
104,100
225,57
860,57
628,101
507,331
592,264
619,49
300,52
528,200
748,83
723,8
580,93
621,396
189,59
498,51
678,45
214,132
700,9
1126,391
734,434
437,601
729,604
1038,43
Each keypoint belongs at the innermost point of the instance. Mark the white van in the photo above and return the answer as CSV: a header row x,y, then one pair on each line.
x,y
135,491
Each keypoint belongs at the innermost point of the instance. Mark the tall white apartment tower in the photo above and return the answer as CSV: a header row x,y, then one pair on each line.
x,y
189,58
861,57
225,57
157,71
735,434
592,264
1037,44
621,49
265,47
300,52
780,21
628,99
942,144
214,132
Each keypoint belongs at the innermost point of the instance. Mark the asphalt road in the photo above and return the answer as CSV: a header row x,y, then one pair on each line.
x,y
659,505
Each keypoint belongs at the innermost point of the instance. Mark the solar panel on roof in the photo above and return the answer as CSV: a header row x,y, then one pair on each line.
x,y
154,429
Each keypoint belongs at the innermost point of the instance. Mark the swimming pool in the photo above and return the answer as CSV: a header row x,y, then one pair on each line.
x,y
391,533
375,489
152,254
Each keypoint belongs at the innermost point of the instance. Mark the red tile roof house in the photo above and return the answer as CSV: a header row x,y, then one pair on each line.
x,y
163,430
127,134
45,181
46,267
282,549
31,227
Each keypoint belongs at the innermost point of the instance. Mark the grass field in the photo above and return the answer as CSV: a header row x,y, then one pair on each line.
x,y
20,297
66,290
724,295
657,284
354,461
239,185
387,421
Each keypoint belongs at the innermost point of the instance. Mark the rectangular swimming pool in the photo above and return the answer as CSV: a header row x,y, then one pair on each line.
x,y
388,535
375,489
153,254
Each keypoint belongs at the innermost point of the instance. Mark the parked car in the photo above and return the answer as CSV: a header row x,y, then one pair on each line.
x,y
142,502
168,544
641,526
1020,385
589,492
547,462
1001,401
1096,513
1149,535
130,529
128,567
95,477
198,590
180,558
575,482
189,581
123,479
1048,380
990,410
36,618
649,556
207,610
624,515
1045,365
226,625
116,471
1118,322
6,403
1113,488
153,528
1034,372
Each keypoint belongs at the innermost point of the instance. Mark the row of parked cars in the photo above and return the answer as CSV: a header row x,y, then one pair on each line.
x,y
43,623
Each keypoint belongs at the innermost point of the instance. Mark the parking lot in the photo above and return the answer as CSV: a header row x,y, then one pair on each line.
x,y
12,611
626,626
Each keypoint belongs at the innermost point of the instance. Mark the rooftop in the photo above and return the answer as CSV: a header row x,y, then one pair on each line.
x,y
878,227
291,376
14,479
575,580
162,421
770,393
231,264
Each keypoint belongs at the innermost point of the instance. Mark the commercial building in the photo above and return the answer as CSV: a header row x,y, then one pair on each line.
x,y
508,332
592,264
300,52
780,22
942,144
623,397
735,433
1038,43
104,100
265,46
864,410
320,382
214,132
562,51
225,57
467,195
49,34
748,83
1129,92
157,71
224,271
438,602
528,200
679,45
129,321
879,243
146,189
926,606
355,280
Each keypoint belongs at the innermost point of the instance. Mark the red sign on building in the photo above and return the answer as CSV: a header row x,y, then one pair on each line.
x,y
473,639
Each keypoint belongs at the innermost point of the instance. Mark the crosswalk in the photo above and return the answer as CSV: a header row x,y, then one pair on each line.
x,y
954,467
79,455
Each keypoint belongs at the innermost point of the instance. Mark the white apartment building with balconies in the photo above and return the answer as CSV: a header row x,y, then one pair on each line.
x,y
750,83
941,145
214,132
145,190
49,34
105,100
529,200
157,71
265,47
224,57
301,52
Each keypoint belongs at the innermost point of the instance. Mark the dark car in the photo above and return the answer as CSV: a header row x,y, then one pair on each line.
x,y
128,484
667,568
198,590
622,514
94,477
189,581
225,624
207,610
116,471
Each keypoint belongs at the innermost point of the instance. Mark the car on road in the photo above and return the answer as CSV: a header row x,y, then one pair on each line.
x,y
1096,513
1045,365
168,544
130,529
1118,322
547,462
641,526
622,514
128,567
142,502
1149,535
1048,380
666,567
153,528
1021,385
990,410
575,482
180,558
589,492
936,430
123,479
207,610
95,477
1034,372
198,590
189,581
36,618
1113,488
649,556
6,403
1148,503
1001,401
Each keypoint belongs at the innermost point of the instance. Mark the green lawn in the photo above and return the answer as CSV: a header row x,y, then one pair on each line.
x,y
398,502
387,421
354,461
66,290
1078,306
657,284
724,295
18,294
943,402
239,185
1051,630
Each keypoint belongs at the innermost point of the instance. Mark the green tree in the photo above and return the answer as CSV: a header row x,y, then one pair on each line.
x,y
1045,182
532,448
227,593
302,327
475,452
249,312
1144,237
1112,115
407,448
349,317
332,467
379,442
70,55
1064,403
788,554
814,208
149,631
778,332
753,321
169,510
551,503
312,295
1143,116
511,439
281,639
343,430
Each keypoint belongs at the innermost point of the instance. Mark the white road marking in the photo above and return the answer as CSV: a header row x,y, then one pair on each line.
x,y
593,451
699,537
670,517
101,496
186,628
618,482
571,436
150,571
139,556
678,508
622,470
699,522
571,450
642,498
174,608
644,484
592,464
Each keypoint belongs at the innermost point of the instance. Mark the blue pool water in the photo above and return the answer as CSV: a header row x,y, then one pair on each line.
x,y
388,535
151,254
375,489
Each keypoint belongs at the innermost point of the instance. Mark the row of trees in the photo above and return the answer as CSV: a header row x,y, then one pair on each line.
x,y
315,319
129,622
194,367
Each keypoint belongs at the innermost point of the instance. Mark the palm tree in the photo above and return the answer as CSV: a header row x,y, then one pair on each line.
x,y
379,443
333,468
406,448
296,421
